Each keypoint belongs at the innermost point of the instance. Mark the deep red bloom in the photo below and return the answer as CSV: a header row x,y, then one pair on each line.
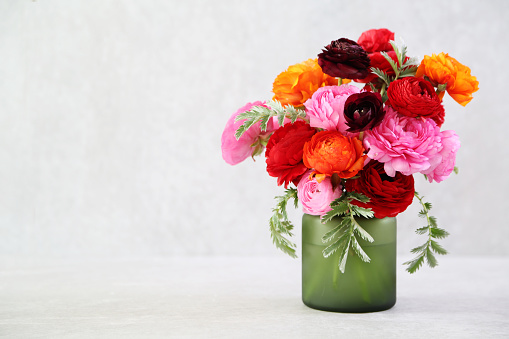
x,y
376,40
284,152
415,97
388,196
344,58
363,111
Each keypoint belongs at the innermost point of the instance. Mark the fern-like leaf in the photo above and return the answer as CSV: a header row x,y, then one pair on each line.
x,y
414,264
425,251
280,225
359,251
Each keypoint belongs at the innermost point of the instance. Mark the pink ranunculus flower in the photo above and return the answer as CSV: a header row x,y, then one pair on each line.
x,y
325,108
235,151
316,197
451,144
404,144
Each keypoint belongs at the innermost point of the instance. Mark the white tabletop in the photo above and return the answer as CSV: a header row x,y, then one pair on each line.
x,y
239,298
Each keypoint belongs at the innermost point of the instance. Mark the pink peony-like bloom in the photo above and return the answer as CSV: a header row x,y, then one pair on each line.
x,y
316,197
325,108
451,144
404,144
235,151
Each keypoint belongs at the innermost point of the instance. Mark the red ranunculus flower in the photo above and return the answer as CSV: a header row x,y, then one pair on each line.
x,y
379,61
388,196
416,97
363,111
284,152
376,40
344,58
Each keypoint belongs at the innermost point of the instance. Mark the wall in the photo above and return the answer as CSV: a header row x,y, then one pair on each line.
x,y
111,115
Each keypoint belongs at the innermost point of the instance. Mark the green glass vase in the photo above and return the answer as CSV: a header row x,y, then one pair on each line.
x,y
364,287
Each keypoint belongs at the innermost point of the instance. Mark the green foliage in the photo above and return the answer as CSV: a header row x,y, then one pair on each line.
x,y
400,67
263,115
280,226
426,250
344,235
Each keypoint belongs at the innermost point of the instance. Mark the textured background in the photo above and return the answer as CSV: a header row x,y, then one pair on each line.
x,y
111,115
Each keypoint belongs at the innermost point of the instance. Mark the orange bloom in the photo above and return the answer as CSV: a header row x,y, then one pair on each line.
x,y
330,152
443,69
298,83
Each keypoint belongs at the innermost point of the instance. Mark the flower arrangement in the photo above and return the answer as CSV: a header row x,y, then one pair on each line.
x,y
351,151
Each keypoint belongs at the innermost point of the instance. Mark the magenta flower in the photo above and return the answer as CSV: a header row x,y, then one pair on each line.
x,y
451,144
235,151
406,145
325,108
316,197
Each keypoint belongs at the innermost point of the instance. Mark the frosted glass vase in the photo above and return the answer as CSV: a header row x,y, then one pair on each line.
x,y
364,287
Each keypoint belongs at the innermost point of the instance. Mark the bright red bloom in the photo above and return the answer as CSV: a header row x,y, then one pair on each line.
x,y
376,40
415,97
388,196
284,152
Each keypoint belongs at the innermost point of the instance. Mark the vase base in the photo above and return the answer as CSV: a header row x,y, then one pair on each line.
x,y
364,309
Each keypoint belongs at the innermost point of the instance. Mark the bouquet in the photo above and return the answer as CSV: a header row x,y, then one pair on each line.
x,y
345,133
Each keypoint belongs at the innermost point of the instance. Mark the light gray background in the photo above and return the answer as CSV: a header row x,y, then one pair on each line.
x,y
111,114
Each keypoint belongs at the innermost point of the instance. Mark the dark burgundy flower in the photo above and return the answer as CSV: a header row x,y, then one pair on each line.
x,y
284,152
363,111
416,97
344,58
376,40
388,196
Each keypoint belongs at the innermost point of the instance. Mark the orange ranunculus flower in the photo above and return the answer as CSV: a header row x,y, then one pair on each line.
x,y
443,69
330,152
298,83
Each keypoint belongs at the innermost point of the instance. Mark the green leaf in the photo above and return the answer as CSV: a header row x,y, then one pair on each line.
x,y
412,63
400,55
438,233
430,258
381,75
432,221
338,244
275,106
426,250
422,230
276,230
456,170
363,233
359,251
281,118
329,235
437,248
419,249
344,257
263,122
263,114
391,62
408,72
357,196
337,210
414,264
280,225
362,212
